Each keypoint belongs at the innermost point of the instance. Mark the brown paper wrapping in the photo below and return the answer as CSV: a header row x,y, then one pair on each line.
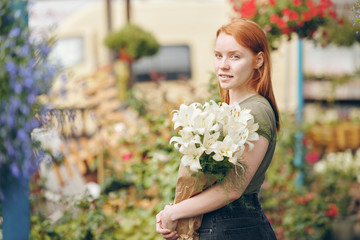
x,y
189,184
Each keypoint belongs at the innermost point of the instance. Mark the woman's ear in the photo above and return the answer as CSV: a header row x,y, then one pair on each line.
x,y
259,60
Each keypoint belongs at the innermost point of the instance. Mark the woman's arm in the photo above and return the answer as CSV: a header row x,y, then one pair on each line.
x,y
222,194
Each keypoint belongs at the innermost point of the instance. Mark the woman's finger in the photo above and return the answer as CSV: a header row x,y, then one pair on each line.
x,y
161,230
170,236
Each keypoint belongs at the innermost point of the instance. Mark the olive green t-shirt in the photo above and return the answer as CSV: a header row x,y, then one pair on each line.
x,y
265,117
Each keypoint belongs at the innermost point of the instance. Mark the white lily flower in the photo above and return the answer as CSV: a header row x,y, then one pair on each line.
x,y
184,116
224,113
235,159
209,141
239,136
192,156
203,122
203,125
211,107
187,136
226,148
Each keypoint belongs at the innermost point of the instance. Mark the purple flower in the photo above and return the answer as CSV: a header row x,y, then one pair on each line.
x,y
14,169
23,51
21,135
16,87
25,109
25,71
31,98
10,120
11,68
28,82
45,50
29,168
14,103
14,32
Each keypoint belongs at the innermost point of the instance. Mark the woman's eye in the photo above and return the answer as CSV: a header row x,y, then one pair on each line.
x,y
235,56
218,55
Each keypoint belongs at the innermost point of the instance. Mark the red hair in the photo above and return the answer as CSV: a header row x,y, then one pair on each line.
x,y
250,35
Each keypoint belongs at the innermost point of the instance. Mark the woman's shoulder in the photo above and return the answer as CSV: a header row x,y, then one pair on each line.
x,y
263,115
258,105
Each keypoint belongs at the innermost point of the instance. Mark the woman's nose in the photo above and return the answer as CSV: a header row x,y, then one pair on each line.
x,y
224,63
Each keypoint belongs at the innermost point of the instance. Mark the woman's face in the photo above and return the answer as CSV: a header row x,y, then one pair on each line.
x,y
234,64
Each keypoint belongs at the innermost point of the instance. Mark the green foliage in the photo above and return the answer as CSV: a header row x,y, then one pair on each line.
x,y
133,40
85,220
216,168
345,34
132,197
356,11
298,212
213,88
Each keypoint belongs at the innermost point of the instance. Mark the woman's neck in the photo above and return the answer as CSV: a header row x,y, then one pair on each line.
x,y
237,97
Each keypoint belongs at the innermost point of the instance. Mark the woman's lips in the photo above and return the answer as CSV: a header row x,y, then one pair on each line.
x,y
224,77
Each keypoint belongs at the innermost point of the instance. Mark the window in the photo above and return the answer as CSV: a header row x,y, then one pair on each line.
x,y
172,62
68,51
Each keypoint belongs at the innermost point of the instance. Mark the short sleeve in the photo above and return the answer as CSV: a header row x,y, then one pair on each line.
x,y
264,116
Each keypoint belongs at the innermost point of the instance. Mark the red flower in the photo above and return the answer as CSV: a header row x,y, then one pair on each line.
x,y
310,4
305,140
310,230
312,157
333,14
293,16
281,23
304,199
248,9
274,18
327,3
306,16
290,13
313,12
286,11
297,3
287,30
332,211
269,219
272,2
341,21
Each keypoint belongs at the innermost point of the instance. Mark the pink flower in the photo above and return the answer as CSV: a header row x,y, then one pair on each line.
x,y
312,157
127,156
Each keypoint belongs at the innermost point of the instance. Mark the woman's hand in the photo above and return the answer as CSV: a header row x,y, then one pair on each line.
x,y
166,219
168,234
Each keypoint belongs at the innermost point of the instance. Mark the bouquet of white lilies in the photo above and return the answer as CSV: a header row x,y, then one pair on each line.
x,y
213,136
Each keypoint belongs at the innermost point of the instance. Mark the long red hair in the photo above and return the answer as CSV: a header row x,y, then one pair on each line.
x,y
250,35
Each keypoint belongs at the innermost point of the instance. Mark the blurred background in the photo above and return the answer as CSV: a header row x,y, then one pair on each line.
x,y
124,65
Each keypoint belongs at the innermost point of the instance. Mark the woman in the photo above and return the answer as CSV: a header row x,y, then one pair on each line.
x,y
242,65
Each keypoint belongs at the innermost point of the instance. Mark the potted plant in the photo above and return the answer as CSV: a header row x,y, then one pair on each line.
x,y
337,177
286,17
132,42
